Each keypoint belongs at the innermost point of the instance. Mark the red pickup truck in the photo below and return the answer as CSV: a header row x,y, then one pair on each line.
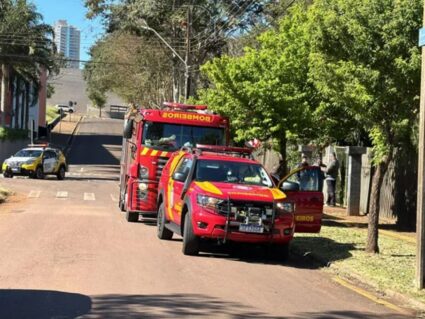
x,y
221,193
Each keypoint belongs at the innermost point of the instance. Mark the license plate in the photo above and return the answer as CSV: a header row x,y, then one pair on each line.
x,y
16,169
251,228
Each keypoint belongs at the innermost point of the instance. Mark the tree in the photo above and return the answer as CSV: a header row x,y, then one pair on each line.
x,y
98,98
213,21
365,63
26,46
265,91
131,67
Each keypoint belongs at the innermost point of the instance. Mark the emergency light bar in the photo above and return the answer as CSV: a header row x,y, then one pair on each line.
x,y
224,149
182,106
44,145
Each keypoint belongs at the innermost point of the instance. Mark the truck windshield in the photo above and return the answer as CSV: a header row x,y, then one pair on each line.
x,y
170,137
232,172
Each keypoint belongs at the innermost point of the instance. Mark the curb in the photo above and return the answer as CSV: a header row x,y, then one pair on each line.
x,y
371,292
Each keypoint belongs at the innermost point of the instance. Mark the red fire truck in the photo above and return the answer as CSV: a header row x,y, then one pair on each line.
x,y
150,137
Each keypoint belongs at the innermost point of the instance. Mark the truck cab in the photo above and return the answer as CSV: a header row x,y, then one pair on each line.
x,y
150,137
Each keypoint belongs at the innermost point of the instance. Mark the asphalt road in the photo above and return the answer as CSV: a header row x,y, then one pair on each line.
x,y
67,251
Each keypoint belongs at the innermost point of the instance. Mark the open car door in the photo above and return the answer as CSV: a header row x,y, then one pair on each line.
x,y
303,187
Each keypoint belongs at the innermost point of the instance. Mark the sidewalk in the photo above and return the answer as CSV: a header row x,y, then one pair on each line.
x,y
386,227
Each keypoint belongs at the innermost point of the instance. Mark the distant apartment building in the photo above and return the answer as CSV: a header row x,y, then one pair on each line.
x,y
67,40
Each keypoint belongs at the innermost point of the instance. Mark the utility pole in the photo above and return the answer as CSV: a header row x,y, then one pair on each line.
x,y
188,49
420,213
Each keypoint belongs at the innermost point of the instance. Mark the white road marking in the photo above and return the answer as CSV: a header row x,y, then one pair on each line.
x,y
114,199
34,194
89,196
62,195
82,169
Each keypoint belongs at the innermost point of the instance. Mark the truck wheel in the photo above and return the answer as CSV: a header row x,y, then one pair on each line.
x,y
190,240
122,203
61,173
39,173
131,217
280,252
163,232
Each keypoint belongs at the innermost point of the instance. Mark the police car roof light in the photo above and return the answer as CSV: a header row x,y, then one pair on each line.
x,y
44,145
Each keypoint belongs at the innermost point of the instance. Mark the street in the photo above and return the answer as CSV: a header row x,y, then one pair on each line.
x,y
67,251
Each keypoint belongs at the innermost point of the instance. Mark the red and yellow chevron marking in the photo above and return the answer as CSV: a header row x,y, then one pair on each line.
x,y
146,151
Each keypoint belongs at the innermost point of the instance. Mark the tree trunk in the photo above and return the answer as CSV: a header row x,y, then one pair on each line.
x,y
282,168
377,181
4,92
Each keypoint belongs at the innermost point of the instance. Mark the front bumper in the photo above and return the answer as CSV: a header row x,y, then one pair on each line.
x,y
209,225
21,170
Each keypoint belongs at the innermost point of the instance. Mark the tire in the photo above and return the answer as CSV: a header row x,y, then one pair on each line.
x,y
61,173
7,174
162,232
190,240
280,252
122,203
39,173
131,217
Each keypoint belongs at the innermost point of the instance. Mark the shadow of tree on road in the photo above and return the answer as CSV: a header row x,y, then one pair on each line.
x,y
45,304
42,304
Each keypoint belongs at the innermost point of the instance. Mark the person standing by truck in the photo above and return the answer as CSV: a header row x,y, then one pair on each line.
x,y
331,174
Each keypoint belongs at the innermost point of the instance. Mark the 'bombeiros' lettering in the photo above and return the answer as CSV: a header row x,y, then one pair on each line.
x,y
190,117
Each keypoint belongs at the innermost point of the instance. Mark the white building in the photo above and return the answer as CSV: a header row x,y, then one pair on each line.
x,y
67,40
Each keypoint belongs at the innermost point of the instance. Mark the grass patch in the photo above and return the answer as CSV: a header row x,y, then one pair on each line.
x,y
11,134
343,249
51,114
3,194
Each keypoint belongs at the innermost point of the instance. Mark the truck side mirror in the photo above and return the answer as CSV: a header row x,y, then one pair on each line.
x,y
178,176
290,187
128,129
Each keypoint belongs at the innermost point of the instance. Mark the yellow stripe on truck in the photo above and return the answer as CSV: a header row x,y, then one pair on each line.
x,y
154,152
277,194
208,187
144,151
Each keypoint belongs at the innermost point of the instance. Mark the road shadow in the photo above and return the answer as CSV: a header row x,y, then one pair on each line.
x,y
170,306
348,315
95,149
198,306
42,304
306,252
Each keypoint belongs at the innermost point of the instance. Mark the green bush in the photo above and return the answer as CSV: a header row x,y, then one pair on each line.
x,y
11,134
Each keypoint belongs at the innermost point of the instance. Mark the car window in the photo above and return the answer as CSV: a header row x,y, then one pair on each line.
x,y
184,167
308,179
50,154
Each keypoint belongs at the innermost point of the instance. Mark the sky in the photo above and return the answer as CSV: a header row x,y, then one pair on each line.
x,y
74,12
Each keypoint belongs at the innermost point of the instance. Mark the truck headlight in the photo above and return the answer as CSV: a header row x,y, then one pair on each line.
x,y
143,172
208,202
286,207
143,187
